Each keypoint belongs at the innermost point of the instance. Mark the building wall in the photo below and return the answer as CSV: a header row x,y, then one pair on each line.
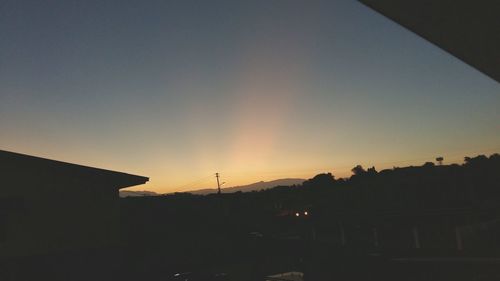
x,y
54,215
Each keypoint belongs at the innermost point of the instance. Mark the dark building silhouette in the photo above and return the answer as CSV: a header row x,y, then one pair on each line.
x,y
52,210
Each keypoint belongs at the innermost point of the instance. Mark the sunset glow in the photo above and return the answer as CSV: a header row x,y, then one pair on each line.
x,y
261,91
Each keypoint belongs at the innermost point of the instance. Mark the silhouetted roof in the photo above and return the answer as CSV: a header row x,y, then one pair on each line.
x,y
16,167
468,30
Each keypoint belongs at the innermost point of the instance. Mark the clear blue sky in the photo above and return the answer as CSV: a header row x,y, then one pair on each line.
x,y
256,90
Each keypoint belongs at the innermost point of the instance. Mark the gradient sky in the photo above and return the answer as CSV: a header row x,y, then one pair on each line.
x,y
255,90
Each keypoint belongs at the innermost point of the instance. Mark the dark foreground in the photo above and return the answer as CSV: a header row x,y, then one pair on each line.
x,y
414,223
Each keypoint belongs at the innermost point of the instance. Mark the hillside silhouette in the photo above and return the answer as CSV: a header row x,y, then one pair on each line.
x,y
425,222
133,193
428,212
257,186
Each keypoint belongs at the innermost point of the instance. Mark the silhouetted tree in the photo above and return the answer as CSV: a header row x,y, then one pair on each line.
x,y
428,164
371,171
478,160
358,170
440,160
323,180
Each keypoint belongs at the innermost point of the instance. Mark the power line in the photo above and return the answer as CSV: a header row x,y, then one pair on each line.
x,y
197,181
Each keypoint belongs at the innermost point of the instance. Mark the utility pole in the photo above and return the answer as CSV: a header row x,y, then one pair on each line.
x,y
218,184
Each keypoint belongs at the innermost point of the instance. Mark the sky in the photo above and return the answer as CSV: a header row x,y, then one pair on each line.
x,y
254,90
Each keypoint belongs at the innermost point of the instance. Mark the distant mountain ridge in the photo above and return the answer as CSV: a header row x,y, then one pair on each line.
x,y
243,188
251,187
131,193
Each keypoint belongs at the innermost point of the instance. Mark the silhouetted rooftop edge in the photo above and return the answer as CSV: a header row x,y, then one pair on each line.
x,y
121,179
464,29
